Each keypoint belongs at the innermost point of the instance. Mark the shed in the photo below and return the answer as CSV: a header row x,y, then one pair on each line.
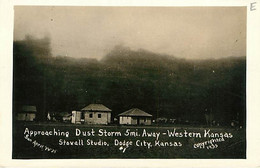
x,y
76,117
96,114
27,113
135,116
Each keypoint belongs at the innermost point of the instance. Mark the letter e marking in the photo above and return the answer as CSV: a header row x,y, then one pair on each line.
x,y
252,6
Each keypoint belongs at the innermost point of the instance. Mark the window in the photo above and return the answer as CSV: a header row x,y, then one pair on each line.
x,y
99,115
145,120
82,116
90,115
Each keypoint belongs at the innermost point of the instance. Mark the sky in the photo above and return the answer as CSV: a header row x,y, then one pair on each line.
x,y
91,32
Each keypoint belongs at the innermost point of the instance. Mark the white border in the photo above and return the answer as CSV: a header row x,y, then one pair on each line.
x,y
253,91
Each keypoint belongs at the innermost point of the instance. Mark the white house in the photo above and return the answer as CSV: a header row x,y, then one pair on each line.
x,y
92,114
27,113
135,116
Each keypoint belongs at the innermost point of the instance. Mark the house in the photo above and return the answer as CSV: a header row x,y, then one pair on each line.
x,y
27,113
135,116
96,114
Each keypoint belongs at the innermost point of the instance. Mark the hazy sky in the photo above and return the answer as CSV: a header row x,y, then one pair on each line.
x,y
187,32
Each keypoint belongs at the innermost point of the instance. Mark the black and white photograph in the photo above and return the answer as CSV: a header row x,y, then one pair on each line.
x,y
131,82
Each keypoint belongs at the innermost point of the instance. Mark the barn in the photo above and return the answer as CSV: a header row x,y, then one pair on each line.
x,y
27,113
135,116
96,114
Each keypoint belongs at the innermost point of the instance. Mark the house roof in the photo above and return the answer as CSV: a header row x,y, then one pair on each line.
x,y
135,112
96,107
29,109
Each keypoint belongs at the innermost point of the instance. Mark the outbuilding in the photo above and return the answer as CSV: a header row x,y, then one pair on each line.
x,y
135,116
27,113
77,117
96,114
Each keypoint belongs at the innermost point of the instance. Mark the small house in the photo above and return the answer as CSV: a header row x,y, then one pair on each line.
x,y
27,113
135,116
96,114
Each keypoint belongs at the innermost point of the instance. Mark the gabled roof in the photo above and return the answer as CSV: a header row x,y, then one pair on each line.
x,y
135,112
96,107
29,109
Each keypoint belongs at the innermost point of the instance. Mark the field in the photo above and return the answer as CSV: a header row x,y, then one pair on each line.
x,y
61,140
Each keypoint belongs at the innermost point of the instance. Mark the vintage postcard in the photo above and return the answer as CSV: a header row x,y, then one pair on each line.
x,y
126,82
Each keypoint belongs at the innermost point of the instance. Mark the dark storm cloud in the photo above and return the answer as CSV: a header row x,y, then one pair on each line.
x,y
91,32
